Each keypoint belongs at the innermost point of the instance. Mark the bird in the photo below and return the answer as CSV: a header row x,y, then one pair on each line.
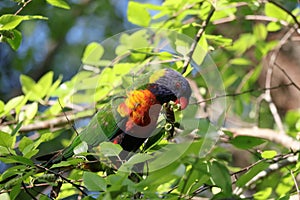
x,y
131,119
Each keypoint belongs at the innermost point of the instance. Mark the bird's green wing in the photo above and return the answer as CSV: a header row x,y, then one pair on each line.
x,y
102,127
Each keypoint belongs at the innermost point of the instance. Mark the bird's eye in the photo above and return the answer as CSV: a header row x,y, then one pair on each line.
x,y
178,85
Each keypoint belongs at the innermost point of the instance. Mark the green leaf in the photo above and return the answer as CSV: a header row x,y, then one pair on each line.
x,y
81,148
71,162
10,21
285,185
17,159
263,194
92,54
220,176
268,154
219,40
138,14
16,129
135,159
31,110
59,4
24,143
240,61
15,191
16,40
27,83
246,142
110,149
45,82
273,26
55,85
6,140
245,178
12,103
30,88
94,182
272,10
260,31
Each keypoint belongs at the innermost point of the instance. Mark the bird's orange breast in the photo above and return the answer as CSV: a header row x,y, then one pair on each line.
x,y
136,107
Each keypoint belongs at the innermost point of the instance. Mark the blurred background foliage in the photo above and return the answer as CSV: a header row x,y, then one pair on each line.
x,y
240,37
57,43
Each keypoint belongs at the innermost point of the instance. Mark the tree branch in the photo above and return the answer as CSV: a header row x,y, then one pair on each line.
x,y
268,134
273,167
22,7
269,76
58,121
196,40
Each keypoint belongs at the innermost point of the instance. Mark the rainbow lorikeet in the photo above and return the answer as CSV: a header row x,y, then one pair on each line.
x,y
130,122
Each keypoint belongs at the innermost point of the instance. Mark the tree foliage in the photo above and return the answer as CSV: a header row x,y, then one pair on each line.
x,y
254,158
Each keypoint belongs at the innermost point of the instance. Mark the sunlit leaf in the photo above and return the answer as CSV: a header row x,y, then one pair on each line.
x,y
92,54
94,182
138,14
16,40
45,82
30,88
260,31
263,194
110,149
273,26
13,103
59,3
31,110
268,154
81,148
6,140
9,21
272,10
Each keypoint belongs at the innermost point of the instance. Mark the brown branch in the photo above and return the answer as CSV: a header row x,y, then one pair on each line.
x,y
196,40
51,123
292,159
269,76
268,134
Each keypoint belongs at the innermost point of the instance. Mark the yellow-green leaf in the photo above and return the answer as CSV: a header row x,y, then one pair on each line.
x,y
59,4
269,154
138,14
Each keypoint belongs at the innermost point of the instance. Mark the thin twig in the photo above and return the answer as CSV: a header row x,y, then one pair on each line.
x,y
262,174
78,187
23,6
269,76
286,74
186,179
242,93
296,184
287,11
196,40
71,124
26,190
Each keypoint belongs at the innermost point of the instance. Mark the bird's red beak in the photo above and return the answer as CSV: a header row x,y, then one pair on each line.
x,y
183,102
